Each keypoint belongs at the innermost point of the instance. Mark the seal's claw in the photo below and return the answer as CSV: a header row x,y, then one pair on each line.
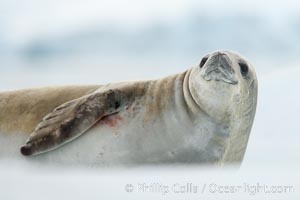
x,y
26,150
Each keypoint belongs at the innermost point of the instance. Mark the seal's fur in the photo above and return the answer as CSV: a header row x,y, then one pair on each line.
x,y
204,114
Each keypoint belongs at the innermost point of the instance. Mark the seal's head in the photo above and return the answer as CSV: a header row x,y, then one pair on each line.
x,y
224,84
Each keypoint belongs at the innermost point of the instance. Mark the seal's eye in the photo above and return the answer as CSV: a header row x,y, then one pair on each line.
x,y
203,61
244,68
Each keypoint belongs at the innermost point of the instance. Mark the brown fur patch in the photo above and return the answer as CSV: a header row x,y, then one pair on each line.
x,y
22,110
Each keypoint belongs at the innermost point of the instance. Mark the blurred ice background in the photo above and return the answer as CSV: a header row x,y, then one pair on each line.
x,y
93,42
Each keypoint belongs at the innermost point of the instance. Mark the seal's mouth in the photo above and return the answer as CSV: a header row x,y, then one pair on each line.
x,y
218,67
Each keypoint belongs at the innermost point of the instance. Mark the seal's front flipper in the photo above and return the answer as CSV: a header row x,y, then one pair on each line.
x,y
71,120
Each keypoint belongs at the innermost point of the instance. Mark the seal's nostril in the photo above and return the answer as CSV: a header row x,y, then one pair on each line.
x,y
220,54
203,61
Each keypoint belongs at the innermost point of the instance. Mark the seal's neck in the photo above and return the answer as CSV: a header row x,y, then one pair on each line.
x,y
191,104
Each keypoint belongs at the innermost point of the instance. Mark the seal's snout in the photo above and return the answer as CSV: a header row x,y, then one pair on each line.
x,y
218,67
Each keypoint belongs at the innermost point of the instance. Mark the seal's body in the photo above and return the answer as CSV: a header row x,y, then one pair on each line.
x,y
203,115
